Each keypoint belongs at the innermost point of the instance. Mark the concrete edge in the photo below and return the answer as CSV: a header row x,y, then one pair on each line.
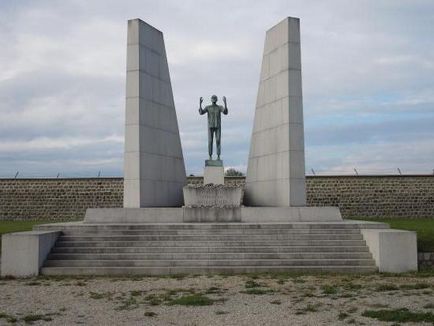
x,y
180,214
24,253
394,251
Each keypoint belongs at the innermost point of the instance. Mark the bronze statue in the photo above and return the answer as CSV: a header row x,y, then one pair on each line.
x,y
214,122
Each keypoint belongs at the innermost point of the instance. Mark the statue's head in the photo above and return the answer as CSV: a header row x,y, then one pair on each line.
x,y
214,99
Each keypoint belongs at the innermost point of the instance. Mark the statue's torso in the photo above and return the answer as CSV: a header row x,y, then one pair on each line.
x,y
214,112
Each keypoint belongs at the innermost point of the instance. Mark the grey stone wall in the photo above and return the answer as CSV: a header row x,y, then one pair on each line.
x,y
374,196
425,259
357,196
57,198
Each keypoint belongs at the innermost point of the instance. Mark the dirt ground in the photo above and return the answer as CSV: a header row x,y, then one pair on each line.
x,y
251,299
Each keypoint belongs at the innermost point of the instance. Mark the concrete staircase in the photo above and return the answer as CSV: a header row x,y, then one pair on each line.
x,y
156,249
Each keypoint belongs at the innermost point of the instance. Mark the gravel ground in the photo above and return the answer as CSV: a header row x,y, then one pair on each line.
x,y
281,299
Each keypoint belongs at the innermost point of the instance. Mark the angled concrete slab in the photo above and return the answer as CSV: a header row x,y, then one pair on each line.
x,y
154,171
276,171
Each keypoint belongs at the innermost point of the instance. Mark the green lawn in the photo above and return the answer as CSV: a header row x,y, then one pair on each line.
x,y
423,226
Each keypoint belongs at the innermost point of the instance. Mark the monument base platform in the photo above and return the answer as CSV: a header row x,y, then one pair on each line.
x,y
192,248
212,214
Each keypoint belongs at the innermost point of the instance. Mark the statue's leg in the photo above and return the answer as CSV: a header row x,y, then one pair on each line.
x,y
217,140
210,141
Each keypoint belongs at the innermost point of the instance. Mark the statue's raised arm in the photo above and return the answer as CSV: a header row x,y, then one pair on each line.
x,y
225,109
201,111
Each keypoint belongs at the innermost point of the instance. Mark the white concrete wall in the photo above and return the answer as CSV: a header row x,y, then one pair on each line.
x,y
154,171
23,253
394,251
214,175
276,171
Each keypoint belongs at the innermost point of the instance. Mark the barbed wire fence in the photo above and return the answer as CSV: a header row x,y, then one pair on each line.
x,y
309,172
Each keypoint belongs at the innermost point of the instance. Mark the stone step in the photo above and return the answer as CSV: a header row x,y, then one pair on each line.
x,y
210,232
207,226
206,262
125,271
157,249
268,237
210,256
260,249
248,243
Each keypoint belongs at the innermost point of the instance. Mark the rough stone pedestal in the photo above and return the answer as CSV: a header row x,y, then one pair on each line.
x,y
213,196
214,172
212,203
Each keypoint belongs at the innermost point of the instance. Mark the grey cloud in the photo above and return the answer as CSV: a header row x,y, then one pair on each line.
x,y
63,70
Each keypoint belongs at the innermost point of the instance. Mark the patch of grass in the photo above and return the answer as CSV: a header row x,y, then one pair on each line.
x,y
352,310
308,308
386,287
377,305
129,304
33,283
178,276
136,293
429,306
80,283
9,318
173,292
423,226
402,315
329,289
343,315
258,291
308,294
416,286
102,295
352,287
192,300
155,301
214,290
251,284
30,319
150,314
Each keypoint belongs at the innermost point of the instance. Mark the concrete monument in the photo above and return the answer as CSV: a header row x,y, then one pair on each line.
x,y
276,172
154,171
214,171
148,240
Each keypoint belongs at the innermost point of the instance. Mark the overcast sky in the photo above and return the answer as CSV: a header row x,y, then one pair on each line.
x,y
368,81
